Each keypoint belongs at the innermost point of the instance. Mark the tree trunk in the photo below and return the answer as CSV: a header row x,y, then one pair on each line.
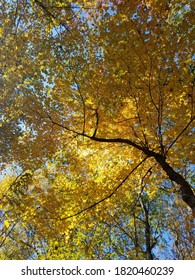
x,y
149,247
185,188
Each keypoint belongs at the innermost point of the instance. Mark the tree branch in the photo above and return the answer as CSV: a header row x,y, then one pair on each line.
x,y
97,122
175,140
46,10
106,197
185,188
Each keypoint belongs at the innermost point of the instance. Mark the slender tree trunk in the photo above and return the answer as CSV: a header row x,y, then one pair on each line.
x,y
147,232
135,235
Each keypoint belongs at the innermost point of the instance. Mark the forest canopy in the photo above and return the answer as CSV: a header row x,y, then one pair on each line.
x,y
97,129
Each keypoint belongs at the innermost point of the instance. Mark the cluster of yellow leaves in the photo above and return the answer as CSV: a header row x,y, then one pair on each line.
x,y
120,71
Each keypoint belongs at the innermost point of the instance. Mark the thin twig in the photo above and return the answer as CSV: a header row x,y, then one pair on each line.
x,y
175,140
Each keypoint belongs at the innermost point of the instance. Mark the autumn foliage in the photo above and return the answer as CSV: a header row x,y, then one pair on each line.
x,y
96,127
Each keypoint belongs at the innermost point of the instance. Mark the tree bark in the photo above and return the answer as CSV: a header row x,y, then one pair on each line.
x,y
185,188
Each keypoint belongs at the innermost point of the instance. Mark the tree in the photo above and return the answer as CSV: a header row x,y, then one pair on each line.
x,y
98,108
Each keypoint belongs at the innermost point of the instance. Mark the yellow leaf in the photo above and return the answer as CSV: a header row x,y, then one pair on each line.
x,y
6,223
